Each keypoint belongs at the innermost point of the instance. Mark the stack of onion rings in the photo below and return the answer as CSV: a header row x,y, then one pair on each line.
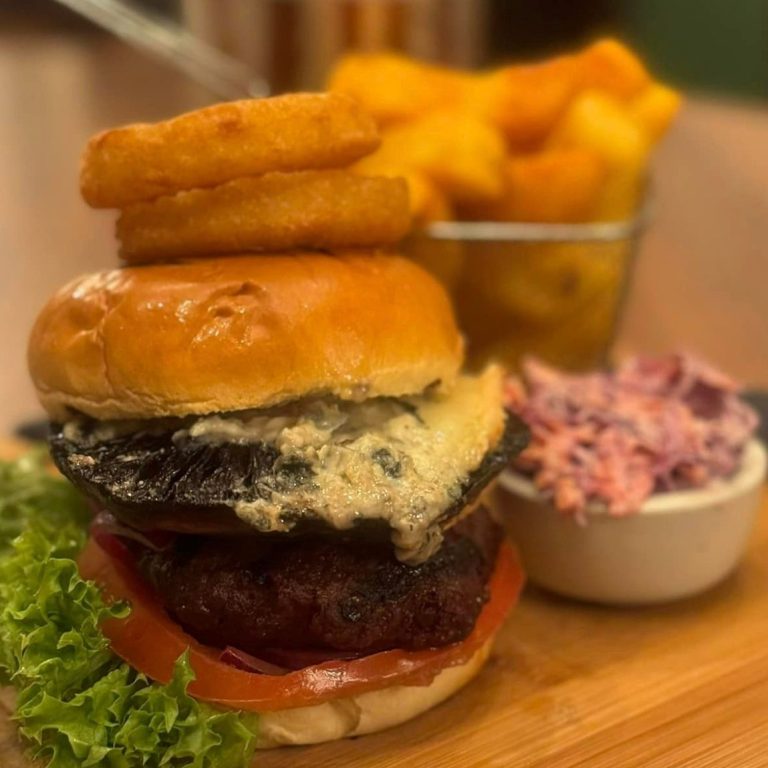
x,y
256,175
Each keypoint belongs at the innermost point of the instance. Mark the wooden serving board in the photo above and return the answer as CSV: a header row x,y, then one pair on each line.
x,y
576,685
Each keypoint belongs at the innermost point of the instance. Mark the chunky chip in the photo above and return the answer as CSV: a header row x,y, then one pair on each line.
x,y
394,88
600,123
654,109
611,67
460,153
205,148
524,102
562,185
274,212
428,201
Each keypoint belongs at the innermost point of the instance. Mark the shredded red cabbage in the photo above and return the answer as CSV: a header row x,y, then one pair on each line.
x,y
652,425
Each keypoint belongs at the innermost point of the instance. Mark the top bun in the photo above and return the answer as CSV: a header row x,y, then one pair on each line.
x,y
228,334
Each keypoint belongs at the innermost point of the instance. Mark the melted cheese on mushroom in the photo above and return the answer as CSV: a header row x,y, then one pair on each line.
x,y
400,461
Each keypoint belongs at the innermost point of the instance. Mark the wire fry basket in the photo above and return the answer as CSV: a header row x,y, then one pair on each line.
x,y
551,290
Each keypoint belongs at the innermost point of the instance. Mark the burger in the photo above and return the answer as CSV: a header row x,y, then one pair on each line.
x,y
288,536
288,472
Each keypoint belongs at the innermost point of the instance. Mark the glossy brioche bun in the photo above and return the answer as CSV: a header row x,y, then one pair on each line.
x,y
351,716
368,713
241,332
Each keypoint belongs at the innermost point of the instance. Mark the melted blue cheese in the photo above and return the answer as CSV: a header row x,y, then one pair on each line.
x,y
400,461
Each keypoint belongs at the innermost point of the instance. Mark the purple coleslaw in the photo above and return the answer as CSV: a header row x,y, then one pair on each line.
x,y
616,437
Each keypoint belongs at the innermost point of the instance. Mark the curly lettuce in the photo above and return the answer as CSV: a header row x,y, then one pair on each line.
x,y
78,705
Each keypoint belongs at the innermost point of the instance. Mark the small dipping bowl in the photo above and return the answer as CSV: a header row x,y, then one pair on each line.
x,y
678,543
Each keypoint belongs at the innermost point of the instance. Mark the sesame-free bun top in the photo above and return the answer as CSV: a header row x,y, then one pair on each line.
x,y
241,332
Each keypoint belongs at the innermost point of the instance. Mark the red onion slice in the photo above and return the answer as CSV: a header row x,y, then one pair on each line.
x,y
106,523
294,659
242,660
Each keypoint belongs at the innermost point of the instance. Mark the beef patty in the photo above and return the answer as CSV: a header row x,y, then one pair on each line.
x,y
334,592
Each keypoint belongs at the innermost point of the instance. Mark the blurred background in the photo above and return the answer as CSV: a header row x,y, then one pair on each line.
x,y
62,78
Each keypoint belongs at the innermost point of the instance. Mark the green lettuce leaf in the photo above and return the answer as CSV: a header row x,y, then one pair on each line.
x,y
78,705
123,720
28,494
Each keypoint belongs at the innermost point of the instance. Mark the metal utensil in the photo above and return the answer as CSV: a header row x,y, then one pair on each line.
x,y
224,76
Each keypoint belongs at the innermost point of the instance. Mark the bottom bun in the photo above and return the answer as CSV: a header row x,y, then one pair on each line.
x,y
352,716
368,712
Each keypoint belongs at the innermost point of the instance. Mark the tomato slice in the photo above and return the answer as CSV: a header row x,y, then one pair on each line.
x,y
151,642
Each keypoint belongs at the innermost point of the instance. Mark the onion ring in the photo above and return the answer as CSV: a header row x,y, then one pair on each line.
x,y
274,212
210,146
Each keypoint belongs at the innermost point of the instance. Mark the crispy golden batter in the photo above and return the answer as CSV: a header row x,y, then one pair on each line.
x,y
274,212
226,141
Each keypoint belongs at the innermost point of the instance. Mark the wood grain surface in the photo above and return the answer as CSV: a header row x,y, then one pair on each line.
x,y
571,685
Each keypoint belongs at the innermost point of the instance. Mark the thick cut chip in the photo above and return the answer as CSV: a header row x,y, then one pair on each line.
x,y
274,212
428,201
555,185
611,67
210,146
462,154
524,102
600,123
654,109
597,122
395,88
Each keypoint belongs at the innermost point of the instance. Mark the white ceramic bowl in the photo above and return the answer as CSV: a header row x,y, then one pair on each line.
x,y
678,544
